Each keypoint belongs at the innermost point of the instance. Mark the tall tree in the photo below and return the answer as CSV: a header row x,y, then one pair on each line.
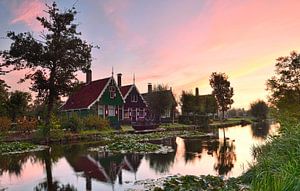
x,y
284,86
222,91
3,97
17,104
259,109
54,58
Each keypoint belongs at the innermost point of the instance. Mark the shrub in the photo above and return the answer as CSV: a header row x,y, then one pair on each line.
x,y
5,124
26,124
74,123
95,122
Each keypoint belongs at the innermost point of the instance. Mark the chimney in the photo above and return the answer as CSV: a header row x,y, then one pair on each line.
x,y
149,87
197,91
88,76
119,79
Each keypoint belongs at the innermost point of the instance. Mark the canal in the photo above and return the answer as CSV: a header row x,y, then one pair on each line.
x,y
73,167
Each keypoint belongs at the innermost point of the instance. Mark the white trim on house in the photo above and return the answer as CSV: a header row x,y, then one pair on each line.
x,y
103,90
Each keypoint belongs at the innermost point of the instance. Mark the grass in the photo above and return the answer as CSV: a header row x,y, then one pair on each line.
x,y
278,162
230,121
173,126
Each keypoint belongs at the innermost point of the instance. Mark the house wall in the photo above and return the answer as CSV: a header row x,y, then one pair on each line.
x,y
134,108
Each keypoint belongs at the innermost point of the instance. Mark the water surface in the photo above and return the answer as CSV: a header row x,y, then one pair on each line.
x,y
72,167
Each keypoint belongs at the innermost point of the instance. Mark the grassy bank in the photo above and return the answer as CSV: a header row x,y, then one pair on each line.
x,y
230,122
278,162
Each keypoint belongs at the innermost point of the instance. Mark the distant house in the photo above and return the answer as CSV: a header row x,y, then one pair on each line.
x,y
101,97
198,104
168,116
134,108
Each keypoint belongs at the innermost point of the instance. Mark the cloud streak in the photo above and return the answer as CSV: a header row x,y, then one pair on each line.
x,y
27,11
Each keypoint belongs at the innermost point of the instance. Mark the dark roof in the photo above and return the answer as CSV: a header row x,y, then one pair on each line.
x,y
124,90
168,92
86,95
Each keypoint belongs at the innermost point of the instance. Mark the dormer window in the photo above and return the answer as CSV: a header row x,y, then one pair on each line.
x,y
134,98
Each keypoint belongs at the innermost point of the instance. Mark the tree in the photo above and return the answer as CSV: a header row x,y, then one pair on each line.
x,y
259,109
222,91
284,86
17,104
53,59
3,97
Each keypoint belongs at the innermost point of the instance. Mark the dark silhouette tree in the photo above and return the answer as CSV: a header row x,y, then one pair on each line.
x,y
259,109
17,104
54,58
3,97
284,86
222,91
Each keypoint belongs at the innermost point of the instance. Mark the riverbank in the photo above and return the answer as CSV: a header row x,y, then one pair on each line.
x,y
231,122
278,161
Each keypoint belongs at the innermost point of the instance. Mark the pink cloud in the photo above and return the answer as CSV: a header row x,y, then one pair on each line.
x,y
27,11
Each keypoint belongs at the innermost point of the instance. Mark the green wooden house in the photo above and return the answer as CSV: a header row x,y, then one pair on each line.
x,y
100,97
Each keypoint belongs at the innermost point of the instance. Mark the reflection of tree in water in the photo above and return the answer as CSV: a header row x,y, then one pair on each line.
x,y
13,164
260,130
226,157
161,163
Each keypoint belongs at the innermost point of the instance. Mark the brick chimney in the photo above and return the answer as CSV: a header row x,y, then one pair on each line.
x,y
88,76
119,79
149,87
197,91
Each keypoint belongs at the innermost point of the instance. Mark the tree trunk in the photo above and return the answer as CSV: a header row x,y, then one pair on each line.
x,y
48,166
49,108
223,115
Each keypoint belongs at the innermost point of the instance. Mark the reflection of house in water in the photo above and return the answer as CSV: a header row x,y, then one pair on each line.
x,y
104,167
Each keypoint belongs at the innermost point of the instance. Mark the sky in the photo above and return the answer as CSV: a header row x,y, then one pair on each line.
x,y
174,42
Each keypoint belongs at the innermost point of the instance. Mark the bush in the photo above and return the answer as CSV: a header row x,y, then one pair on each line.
x,y
74,123
200,120
5,124
26,124
95,122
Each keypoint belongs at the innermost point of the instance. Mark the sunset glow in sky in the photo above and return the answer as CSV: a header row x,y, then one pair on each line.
x,y
179,43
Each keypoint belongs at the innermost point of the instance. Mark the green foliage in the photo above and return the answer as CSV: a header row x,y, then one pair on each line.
x,y
190,182
278,162
95,122
284,86
221,90
15,147
259,109
54,58
17,104
131,146
3,97
74,123
200,120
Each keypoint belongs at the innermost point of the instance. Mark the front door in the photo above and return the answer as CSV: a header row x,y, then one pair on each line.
x,y
133,115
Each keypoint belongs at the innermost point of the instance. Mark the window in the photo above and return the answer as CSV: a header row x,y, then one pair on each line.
x,y
134,98
100,110
166,113
111,110
126,113
141,113
112,92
